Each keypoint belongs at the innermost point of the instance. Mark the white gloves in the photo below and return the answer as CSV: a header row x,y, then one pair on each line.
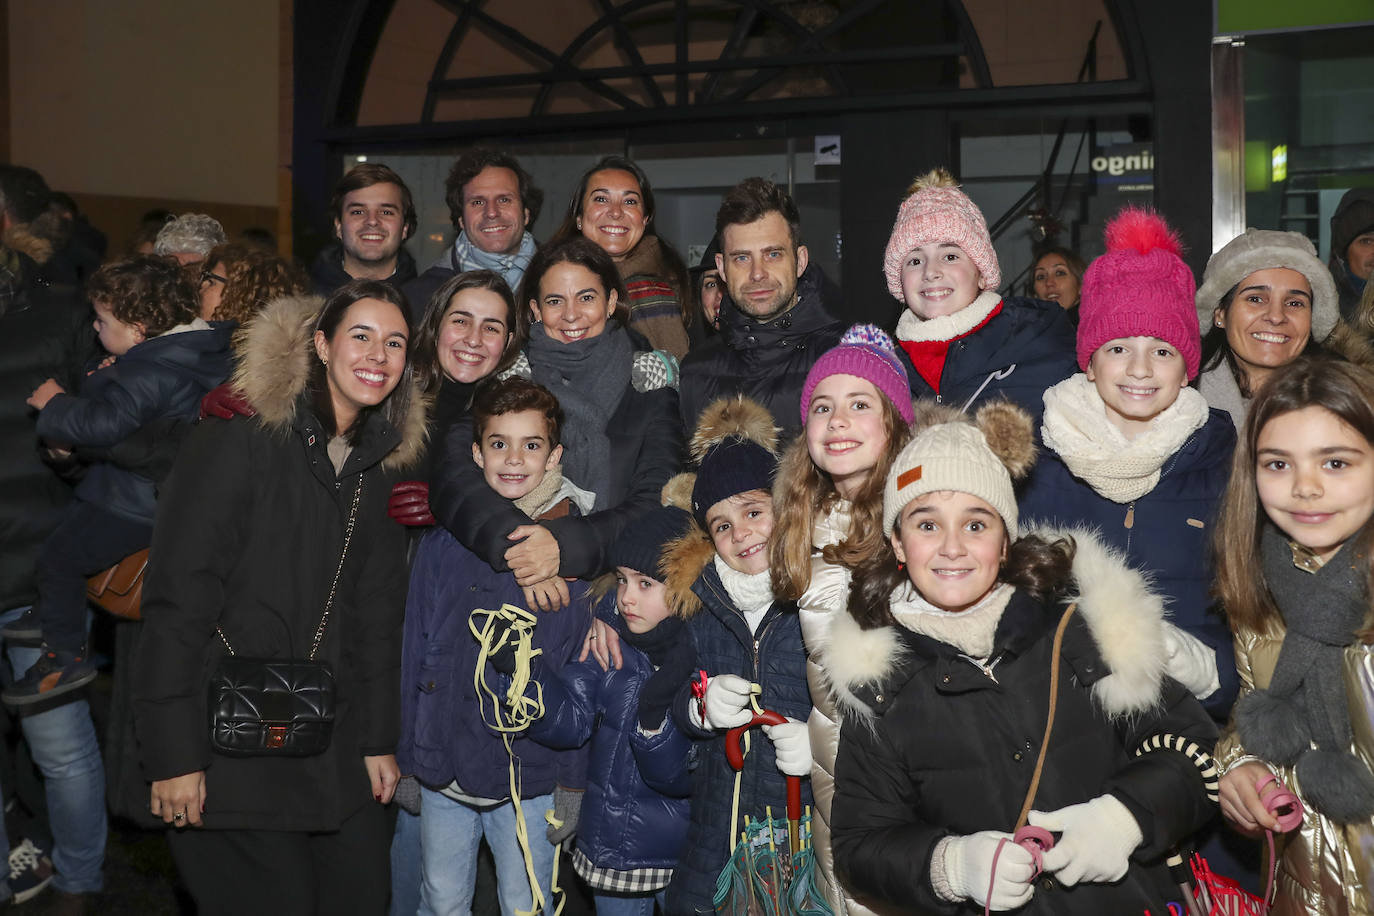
x,y
791,747
727,701
1097,840
1191,662
968,870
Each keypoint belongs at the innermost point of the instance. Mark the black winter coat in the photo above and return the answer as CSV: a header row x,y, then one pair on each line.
x,y
646,448
159,380
327,274
1165,534
773,657
933,745
765,362
1026,348
250,528
43,334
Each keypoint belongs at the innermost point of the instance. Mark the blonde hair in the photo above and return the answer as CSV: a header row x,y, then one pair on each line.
x,y
802,491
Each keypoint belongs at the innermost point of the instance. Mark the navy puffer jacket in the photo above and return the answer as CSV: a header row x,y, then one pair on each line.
x,y
1025,348
1165,534
773,657
624,824
160,379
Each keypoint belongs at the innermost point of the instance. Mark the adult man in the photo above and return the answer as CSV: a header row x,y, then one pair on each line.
x,y
492,202
777,318
45,331
1352,246
373,216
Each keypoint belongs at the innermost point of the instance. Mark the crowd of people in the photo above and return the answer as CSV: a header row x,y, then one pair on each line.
x,y
525,535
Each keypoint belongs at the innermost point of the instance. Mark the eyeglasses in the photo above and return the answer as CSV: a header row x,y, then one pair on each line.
x,y
208,276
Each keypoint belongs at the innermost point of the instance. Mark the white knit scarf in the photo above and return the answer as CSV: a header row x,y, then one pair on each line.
x,y
1120,469
971,631
948,327
751,592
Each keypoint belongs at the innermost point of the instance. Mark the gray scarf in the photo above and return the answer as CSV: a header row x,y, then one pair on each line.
x,y
1305,703
511,267
589,377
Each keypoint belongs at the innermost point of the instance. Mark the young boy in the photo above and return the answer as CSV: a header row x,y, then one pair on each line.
x,y
718,575
632,825
163,358
462,765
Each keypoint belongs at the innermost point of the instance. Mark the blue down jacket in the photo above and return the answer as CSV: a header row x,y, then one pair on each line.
x,y
624,824
772,657
161,378
1024,349
443,736
1165,534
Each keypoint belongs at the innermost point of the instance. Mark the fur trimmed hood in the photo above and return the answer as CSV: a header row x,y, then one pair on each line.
x,y
21,239
686,558
1123,615
275,351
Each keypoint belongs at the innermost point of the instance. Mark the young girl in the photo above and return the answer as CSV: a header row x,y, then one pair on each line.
x,y
718,577
856,411
944,668
1293,572
629,833
1134,452
966,342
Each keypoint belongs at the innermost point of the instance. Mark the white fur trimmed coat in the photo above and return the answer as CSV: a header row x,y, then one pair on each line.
x,y
934,744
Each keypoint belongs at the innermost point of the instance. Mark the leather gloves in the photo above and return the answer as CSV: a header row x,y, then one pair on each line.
x,y
567,806
409,504
727,701
1191,662
225,402
967,870
791,747
1097,840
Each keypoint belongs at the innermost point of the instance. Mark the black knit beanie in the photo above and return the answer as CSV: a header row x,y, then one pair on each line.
x,y
1354,216
640,544
734,465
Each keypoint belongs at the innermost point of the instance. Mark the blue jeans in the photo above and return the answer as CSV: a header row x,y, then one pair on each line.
x,y
63,744
450,834
627,905
405,865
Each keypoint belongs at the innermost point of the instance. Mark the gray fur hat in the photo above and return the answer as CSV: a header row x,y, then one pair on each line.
x,y
1259,249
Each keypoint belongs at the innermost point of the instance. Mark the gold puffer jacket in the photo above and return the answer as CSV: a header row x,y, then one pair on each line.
x,y
827,595
1325,869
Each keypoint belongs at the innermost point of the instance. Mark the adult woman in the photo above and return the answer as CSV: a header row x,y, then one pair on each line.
x,y
468,333
1265,300
238,280
1058,277
248,554
614,207
620,442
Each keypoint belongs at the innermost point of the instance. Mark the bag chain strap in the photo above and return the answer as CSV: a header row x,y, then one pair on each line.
x,y
329,602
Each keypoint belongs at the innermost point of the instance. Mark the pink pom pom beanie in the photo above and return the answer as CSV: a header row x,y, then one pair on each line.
x,y
937,211
865,352
1139,288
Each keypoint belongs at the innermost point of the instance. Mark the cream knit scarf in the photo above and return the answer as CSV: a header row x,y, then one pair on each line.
x,y
971,631
1077,429
948,327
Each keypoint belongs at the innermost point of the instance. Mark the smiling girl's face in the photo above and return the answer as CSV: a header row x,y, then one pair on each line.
x,y
953,545
1315,477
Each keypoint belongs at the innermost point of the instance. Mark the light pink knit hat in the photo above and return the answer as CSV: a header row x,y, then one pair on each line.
x,y
937,211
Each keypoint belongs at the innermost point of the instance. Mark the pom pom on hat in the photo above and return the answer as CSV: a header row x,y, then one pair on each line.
x,y
865,351
1139,288
734,449
936,210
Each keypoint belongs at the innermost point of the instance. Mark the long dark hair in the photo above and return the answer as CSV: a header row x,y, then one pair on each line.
x,y
396,405
1344,389
424,346
582,252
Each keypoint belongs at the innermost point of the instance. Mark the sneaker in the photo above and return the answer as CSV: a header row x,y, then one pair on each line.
x,y
24,627
30,871
54,674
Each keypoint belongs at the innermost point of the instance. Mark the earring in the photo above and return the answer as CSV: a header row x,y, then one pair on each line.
x,y
579,224
900,566
324,362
